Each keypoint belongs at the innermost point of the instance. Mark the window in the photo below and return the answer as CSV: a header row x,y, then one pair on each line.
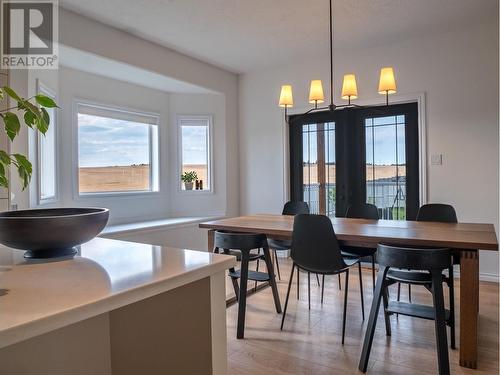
x,y
47,154
386,166
117,150
195,153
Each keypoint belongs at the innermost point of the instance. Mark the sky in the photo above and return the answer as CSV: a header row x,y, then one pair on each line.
x,y
105,142
382,129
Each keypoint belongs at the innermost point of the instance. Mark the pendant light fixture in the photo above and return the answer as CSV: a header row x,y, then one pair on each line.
x,y
387,86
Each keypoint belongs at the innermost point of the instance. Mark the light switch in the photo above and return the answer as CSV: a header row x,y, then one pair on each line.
x,y
437,159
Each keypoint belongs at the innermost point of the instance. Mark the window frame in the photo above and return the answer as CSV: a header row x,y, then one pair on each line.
x,y
154,152
210,174
42,88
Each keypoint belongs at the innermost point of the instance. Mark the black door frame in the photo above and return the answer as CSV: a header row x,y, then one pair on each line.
x,y
350,153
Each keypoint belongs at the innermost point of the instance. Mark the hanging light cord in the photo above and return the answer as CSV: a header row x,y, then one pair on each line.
x,y
331,56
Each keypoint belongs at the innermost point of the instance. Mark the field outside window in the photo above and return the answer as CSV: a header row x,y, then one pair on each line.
x,y
117,151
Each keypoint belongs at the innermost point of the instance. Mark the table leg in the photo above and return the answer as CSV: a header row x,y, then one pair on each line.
x,y
469,307
211,235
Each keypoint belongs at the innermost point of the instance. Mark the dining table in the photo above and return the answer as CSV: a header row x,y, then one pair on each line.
x,y
465,239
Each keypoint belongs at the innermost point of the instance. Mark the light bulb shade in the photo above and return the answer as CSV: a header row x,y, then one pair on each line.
x,y
349,87
286,97
387,83
316,92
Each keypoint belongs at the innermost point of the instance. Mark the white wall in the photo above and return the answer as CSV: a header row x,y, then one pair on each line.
x,y
458,72
94,37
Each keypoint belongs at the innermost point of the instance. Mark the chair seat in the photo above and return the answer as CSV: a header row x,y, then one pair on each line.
x,y
252,275
280,245
253,256
414,310
349,261
358,252
409,277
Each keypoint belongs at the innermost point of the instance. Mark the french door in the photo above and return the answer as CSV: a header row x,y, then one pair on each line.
x,y
357,155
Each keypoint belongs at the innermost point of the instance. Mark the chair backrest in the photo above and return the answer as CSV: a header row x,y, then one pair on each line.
x,y
437,212
413,258
314,244
239,241
295,208
362,211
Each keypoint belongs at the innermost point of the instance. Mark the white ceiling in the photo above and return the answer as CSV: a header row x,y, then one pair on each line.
x,y
244,35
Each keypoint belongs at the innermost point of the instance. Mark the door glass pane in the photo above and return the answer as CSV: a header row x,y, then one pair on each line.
x,y
386,166
318,163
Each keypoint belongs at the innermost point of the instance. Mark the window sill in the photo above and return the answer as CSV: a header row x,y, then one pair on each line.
x,y
151,225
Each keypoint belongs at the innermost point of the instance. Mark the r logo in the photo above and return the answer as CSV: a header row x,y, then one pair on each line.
x,y
29,33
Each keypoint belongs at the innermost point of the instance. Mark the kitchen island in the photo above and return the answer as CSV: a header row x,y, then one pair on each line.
x,y
117,308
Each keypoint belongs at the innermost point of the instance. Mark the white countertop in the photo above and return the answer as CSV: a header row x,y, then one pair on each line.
x,y
38,297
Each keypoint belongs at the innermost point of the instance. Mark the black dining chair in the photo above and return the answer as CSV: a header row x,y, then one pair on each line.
x,y
290,208
241,246
431,263
362,211
315,249
437,212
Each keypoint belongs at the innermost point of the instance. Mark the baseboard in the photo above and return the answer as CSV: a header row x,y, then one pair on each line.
x,y
489,277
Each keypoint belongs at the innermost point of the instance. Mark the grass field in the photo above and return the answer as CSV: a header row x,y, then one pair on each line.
x,y
124,178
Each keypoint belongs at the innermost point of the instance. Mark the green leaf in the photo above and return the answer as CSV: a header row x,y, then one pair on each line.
x,y
12,125
24,169
4,182
41,125
11,93
27,106
4,158
45,116
45,101
1,94
29,118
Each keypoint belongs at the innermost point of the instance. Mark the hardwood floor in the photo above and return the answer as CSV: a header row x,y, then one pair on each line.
x,y
310,342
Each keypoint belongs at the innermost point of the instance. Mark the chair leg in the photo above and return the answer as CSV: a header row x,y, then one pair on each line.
x,y
372,320
309,289
272,278
242,300
287,296
387,318
409,293
373,271
298,283
322,288
361,291
440,322
317,279
256,270
345,304
340,283
452,307
277,264
234,281
399,296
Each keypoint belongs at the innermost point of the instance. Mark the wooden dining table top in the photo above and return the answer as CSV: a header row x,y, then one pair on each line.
x,y
362,232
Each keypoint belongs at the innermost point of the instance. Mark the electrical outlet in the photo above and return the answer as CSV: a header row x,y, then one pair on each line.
x,y
437,159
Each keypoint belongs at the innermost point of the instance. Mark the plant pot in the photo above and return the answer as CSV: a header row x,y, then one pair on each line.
x,y
188,185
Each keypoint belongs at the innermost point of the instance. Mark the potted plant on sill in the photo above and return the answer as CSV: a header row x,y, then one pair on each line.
x,y
188,178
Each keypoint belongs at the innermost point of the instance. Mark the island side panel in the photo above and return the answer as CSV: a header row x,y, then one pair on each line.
x,y
168,332
78,349
219,329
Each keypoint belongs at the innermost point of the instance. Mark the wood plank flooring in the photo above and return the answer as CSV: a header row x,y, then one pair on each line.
x,y
311,340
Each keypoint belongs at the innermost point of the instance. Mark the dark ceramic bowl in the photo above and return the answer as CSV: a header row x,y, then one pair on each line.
x,y
50,233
